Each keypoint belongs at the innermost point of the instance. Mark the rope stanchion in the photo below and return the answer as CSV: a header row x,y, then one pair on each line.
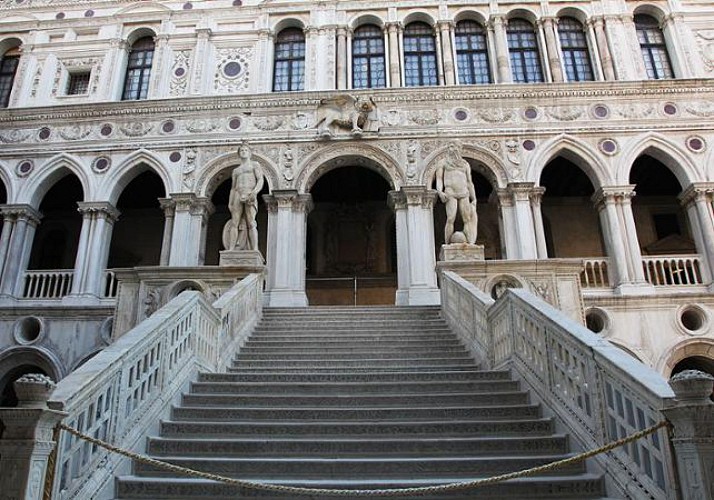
x,y
416,491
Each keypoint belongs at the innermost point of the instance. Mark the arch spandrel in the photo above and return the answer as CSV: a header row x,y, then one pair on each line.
x,y
136,163
574,150
493,170
49,173
342,155
663,150
219,169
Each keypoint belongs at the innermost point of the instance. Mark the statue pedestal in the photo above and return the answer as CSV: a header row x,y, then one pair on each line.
x,y
240,258
461,251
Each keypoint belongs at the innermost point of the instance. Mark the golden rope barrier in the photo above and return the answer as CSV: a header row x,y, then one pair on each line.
x,y
51,464
422,490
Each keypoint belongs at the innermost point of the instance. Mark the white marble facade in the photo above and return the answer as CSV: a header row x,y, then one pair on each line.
x,y
210,87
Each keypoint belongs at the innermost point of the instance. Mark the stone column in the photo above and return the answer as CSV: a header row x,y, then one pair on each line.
x,y
169,207
620,235
637,70
543,51
597,25
445,29
341,57
111,82
416,260
93,251
287,240
27,440
698,200
536,197
22,220
393,31
691,416
190,218
550,26
518,223
200,59
499,23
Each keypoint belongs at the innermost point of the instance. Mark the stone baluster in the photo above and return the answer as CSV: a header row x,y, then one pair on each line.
x,y
416,262
27,439
287,240
691,416
21,222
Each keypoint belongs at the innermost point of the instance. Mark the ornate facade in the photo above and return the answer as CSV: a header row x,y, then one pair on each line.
x,y
587,126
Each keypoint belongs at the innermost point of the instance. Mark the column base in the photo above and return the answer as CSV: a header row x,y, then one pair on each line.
x,y
240,258
461,251
418,297
285,298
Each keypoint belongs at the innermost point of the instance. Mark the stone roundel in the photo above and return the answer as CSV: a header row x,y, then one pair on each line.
x,y
101,164
696,144
24,168
608,146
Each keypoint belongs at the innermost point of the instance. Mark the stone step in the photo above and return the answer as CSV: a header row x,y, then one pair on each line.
x,y
350,468
354,336
328,448
349,342
364,350
388,363
355,377
365,369
366,323
390,354
576,487
355,389
219,413
350,310
240,401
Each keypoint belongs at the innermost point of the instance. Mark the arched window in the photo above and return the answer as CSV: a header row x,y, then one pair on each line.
x,y
8,68
653,47
419,55
289,71
472,53
523,49
138,70
576,56
368,66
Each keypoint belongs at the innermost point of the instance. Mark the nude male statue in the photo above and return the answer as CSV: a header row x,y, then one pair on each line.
x,y
241,231
456,189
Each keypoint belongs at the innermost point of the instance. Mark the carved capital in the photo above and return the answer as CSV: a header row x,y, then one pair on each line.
x,y
697,192
189,202
445,24
393,27
102,209
168,205
412,196
613,195
497,21
21,212
536,195
288,199
520,191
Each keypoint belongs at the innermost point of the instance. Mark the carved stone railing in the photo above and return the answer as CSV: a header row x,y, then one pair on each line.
x,y
47,284
673,270
125,389
111,285
595,273
598,391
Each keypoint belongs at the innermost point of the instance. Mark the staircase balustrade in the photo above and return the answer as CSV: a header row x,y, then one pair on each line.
x,y
122,392
47,284
599,392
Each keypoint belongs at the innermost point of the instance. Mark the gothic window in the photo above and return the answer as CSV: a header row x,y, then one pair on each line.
x,y
576,56
368,64
472,53
523,49
419,55
653,47
289,71
8,68
138,70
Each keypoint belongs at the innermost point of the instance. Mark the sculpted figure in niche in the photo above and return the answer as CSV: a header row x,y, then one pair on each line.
x,y
241,231
344,111
456,190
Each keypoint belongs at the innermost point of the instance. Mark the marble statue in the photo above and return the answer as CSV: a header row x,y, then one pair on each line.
x,y
344,111
456,190
241,231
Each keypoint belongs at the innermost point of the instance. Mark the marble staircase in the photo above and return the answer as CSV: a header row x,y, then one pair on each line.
x,y
357,398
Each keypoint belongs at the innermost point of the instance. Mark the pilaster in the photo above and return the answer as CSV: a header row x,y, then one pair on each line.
x,y
498,24
550,27
445,28
394,30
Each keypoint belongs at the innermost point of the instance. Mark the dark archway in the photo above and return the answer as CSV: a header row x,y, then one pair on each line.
x,y
570,221
8,398
57,236
486,208
350,254
138,233
217,220
661,222
700,363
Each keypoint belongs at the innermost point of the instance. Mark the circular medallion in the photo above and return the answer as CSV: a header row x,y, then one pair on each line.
x,y
168,126
232,69
237,3
601,111
235,123
59,15
696,144
529,145
670,109
531,113
461,115
608,146
187,6
44,133
175,157
89,13
101,164
179,72
24,168
106,130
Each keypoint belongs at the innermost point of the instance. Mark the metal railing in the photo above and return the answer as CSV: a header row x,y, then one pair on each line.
x,y
47,284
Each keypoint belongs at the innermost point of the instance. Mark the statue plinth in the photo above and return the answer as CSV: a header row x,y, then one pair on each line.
x,y
240,258
461,251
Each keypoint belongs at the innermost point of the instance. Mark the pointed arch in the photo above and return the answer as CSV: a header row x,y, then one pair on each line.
x,y
662,149
134,164
219,169
338,155
574,150
495,171
49,173
5,179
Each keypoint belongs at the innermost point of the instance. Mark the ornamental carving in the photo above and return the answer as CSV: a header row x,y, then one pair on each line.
x,y
425,116
179,73
189,169
268,123
136,129
705,40
232,72
495,115
14,136
356,114
635,110
564,113
702,109
75,132
91,64
201,126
